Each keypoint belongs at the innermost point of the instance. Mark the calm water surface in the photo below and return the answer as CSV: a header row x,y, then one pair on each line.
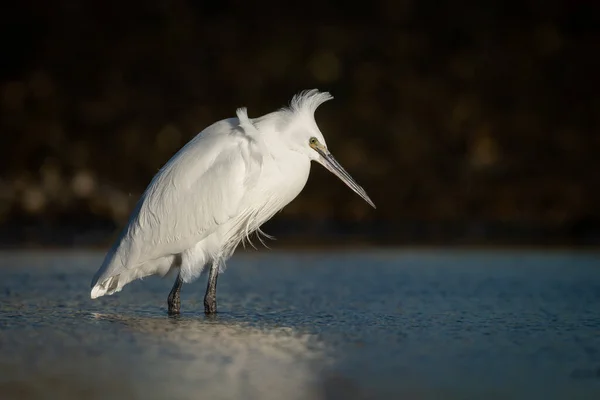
x,y
431,324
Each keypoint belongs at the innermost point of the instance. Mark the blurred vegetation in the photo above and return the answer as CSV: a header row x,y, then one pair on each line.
x,y
444,111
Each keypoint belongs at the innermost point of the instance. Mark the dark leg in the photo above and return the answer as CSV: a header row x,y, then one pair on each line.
x,y
210,299
174,301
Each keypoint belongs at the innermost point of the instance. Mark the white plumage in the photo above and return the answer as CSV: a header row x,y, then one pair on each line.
x,y
216,190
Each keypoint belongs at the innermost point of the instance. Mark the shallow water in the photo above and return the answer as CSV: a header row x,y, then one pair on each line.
x,y
392,324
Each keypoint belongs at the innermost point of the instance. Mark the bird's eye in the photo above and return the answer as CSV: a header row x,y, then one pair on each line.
x,y
313,140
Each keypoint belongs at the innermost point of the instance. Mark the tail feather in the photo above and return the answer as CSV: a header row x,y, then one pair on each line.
x,y
107,287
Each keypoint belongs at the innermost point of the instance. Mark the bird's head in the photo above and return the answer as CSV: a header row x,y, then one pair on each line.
x,y
310,141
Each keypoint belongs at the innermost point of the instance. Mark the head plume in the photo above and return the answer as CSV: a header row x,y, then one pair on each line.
x,y
307,101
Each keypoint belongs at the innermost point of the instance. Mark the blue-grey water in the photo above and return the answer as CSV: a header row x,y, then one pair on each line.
x,y
427,324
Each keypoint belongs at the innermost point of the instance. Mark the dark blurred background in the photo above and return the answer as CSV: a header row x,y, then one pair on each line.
x,y
467,122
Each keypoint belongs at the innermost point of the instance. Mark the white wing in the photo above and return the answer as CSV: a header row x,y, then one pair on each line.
x,y
200,188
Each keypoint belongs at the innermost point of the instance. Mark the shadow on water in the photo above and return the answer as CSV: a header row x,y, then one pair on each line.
x,y
228,359
123,356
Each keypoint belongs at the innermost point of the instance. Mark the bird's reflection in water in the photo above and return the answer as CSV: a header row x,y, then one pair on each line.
x,y
223,359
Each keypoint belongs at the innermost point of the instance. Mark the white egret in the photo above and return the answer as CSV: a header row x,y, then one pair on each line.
x,y
214,192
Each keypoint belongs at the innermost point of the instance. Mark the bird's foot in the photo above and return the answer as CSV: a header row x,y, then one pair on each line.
x,y
174,303
210,305
174,300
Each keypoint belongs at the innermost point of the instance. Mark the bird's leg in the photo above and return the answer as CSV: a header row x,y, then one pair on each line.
x,y
210,298
174,301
